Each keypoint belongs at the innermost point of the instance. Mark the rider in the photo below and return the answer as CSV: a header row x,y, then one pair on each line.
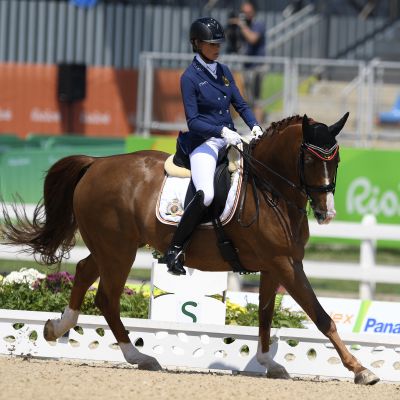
x,y
208,89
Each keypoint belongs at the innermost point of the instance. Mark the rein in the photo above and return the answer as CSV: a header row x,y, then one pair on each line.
x,y
258,180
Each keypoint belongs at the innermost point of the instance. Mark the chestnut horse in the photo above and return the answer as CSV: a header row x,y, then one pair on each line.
x,y
112,200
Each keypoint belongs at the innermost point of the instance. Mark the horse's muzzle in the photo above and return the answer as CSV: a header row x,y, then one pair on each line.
x,y
323,217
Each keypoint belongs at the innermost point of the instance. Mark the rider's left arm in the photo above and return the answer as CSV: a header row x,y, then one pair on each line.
x,y
239,104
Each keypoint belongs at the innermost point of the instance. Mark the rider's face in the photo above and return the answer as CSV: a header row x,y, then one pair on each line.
x,y
209,50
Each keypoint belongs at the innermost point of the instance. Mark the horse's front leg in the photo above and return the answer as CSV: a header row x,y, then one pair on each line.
x,y
292,276
268,287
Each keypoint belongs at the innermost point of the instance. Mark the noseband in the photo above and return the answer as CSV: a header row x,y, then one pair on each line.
x,y
324,155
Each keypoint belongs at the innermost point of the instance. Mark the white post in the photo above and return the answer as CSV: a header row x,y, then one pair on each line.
x,y
294,88
234,282
148,96
360,105
287,95
370,99
367,260
140,93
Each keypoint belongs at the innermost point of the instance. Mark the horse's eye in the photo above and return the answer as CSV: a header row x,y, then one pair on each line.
x,y
308,159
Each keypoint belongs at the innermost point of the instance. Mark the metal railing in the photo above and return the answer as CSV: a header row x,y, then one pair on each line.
x,y
286,30
354,86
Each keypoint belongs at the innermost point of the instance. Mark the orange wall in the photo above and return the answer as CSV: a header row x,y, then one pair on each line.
x,y
168,106
29,103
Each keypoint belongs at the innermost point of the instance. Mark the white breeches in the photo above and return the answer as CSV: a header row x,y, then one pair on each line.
x,y
203,161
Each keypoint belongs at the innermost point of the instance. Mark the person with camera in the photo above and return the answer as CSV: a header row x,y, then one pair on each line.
x,y
208,90
253,43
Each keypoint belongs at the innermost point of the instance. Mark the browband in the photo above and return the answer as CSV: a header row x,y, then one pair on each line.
x,y
322,153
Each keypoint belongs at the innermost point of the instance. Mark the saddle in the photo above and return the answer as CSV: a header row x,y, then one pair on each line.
x,y
178,165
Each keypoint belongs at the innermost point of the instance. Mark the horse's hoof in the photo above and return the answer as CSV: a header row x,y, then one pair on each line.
x,y
278,373
366,377
150,365
48,331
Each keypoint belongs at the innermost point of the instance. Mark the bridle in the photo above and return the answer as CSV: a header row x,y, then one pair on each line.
x,y
270,193
324,155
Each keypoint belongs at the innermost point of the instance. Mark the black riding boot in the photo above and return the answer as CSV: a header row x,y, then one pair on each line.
x,y
190,219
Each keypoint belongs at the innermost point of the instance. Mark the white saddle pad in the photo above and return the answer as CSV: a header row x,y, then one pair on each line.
x,y
171,200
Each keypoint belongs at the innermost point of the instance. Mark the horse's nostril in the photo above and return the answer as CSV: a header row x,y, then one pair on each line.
x,y
319,214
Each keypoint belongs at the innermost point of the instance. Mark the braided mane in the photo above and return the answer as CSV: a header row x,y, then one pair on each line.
x,y
277,127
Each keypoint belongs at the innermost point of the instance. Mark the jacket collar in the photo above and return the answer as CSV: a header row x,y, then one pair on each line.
x,y
217,83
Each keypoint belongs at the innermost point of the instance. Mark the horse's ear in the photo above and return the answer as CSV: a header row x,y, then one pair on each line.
x,y
305,127
338,126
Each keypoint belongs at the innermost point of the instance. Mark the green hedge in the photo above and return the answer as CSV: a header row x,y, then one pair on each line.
x,y
52,294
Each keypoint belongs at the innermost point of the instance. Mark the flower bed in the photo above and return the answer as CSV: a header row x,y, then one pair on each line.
x,y
29,290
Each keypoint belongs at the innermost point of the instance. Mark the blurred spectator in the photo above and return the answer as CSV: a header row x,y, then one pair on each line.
x,y
246,35
233,35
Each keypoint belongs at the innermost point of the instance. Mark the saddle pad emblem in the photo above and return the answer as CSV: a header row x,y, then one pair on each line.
x,y
174,208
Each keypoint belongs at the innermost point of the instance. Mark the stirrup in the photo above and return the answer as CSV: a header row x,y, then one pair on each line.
x,y
174,262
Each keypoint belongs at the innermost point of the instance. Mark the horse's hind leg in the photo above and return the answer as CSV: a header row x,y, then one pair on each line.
x,y
268,287
112,282
292,276
86,273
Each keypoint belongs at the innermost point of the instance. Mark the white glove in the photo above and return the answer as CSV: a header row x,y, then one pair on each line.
x,y
257,131
231,137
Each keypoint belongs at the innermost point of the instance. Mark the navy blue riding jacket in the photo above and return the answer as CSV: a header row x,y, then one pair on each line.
x,y
206,101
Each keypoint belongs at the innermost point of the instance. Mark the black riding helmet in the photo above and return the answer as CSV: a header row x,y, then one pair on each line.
x,y
208,30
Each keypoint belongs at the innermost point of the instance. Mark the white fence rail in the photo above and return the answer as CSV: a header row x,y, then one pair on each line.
x,y
198,346
367,272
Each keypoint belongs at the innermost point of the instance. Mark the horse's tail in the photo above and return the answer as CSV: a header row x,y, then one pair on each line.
x,y
51,233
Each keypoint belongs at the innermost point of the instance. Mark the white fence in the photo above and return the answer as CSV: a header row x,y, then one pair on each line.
x,y
200,347
367,271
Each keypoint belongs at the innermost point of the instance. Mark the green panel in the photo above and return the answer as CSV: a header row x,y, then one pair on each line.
x,y
38,140
136,143
52,141
167,144
368,182
162,143
22,172
9,141
72,140
5,137
272,86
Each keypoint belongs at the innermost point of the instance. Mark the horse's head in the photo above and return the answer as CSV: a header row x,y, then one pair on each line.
x,y
319,160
